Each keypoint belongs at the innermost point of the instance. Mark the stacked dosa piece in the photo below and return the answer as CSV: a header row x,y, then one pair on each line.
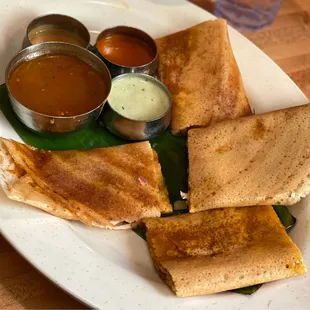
x,y
222,249
199,69
106,187
257,160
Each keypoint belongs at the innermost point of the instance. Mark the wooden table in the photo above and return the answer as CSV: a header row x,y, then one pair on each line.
x,y
287,42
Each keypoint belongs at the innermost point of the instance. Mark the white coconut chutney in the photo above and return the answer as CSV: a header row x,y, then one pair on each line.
x,y
138,98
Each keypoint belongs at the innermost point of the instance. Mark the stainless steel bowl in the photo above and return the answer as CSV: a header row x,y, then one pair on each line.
x,y
42,123
116,69
131,129
57,21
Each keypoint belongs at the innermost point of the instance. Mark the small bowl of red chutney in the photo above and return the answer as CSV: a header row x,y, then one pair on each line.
x,y
127,50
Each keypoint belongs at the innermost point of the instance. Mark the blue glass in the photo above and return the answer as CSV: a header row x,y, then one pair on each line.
x,y
248,15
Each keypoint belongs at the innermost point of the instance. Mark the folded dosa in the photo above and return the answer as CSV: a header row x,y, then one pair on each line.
x,y
105,187
199,69
256,160
222,249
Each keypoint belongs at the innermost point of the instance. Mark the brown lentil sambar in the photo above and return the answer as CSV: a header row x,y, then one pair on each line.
x,y
58,85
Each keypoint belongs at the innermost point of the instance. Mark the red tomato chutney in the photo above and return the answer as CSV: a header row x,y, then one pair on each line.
x,y
125,50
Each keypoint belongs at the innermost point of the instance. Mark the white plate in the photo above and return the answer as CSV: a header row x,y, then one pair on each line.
x,y
113,270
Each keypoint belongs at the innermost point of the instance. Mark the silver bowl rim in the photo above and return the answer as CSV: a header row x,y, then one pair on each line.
x,y
128,67
46,115
61,15
158,82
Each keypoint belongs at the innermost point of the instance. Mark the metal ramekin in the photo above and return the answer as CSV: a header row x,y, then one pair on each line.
x,y
131,129
58,21
42,123
116,69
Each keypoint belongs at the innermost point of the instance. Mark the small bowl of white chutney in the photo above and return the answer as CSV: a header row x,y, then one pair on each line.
x,y
138,108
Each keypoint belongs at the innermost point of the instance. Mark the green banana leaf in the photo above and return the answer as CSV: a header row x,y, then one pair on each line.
x,y
247,290
140,232
287,219
171,150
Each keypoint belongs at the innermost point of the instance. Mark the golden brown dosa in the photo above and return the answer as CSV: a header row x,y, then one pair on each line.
x,y
106,187
199,69
257,160
222,249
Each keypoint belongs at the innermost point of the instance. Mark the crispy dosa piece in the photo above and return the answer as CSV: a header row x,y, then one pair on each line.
x,y
199,69
18,186
107,187
222,249
257,160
